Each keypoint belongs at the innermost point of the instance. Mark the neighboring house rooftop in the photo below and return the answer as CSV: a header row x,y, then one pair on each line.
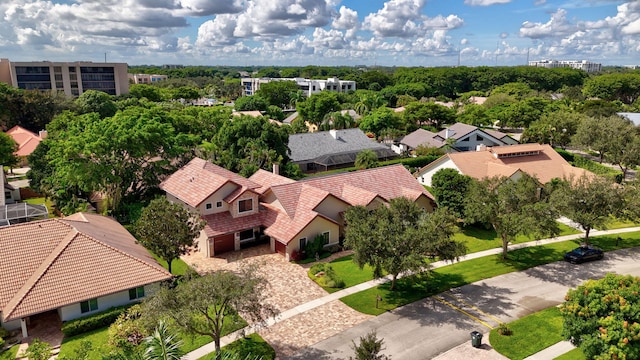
x,y
196,181
333,147
633,117
541,161
52,263
457,131
27,141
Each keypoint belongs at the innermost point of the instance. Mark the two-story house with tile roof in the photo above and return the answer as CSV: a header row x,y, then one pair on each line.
x,y
289,213
458,137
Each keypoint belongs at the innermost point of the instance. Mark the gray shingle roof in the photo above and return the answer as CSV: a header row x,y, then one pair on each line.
x,y
309,146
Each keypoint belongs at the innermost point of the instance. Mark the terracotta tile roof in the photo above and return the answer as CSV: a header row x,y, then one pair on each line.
x,y
388,182
544,162
27,141
196,181
223,223
56,262
268,179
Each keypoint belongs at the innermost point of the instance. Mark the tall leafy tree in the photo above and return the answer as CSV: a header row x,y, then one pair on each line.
x,y
589,201
96,101
511,207
450,189
602,317
316,106
168,230
396,239
247,144
607,136
624,87
278,93
209,304
8,147
379,120
251,103
555,129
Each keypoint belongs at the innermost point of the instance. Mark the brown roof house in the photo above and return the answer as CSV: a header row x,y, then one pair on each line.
x,y
72,266
27,141
460,137
266,206
541,161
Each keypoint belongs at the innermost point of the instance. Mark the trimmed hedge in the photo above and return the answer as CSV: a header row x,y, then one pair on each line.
x,y
93,322
593,166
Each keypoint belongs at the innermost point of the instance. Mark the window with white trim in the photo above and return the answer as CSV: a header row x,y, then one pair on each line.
x,y
219,204
208,206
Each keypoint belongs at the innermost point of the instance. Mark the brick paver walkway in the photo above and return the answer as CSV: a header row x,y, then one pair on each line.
x,y
289,286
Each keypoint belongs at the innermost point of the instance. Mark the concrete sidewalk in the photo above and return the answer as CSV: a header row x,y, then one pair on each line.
x,y
208,348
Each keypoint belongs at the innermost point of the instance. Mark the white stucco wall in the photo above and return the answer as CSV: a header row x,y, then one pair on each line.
x,y
72,311
331,207
318,226
424,176
216,197
11,325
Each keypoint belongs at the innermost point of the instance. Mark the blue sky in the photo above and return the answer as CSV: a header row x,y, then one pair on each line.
x,y
321,32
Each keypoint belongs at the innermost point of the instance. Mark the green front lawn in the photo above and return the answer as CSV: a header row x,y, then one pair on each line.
x,y
248,347
100,341
615,223
178,266
478,238
574,354
348,272
531,334
9,354
413,288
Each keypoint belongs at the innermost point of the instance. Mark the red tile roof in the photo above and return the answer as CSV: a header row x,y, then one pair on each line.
x,y
388,182
27,141
268,179
52,263
223,223
196,181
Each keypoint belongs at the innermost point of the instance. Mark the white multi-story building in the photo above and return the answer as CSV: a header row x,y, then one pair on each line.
x,y
308,86
146,78
583,65
73,78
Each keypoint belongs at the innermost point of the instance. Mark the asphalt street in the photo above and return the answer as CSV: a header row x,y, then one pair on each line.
x,y
429,327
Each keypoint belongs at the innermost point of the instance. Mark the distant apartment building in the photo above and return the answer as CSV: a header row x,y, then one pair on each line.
x,y
632,67
583,65
308,86
172,66
145,78
73,78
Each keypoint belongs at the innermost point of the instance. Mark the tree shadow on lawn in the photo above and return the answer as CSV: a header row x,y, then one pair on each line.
x,y
430,311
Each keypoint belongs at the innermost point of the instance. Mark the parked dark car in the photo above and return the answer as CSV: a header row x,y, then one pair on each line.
x,y
583,254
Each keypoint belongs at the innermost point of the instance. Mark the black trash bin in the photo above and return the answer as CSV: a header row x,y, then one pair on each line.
x,y
476,339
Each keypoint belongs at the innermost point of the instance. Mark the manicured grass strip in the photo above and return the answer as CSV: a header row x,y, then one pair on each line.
x,y
574,354
619,224
252,345
9,354
178,267
530,334
99,342
348,272
413,288
478,238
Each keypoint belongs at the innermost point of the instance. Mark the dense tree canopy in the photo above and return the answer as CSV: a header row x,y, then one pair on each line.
x,y
96,101
278,93
615,86
167,229
511,207
602,317
450,189
397,238
317,106
207,305
589,201
8,147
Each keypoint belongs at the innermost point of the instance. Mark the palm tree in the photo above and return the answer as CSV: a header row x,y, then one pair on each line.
x,y
162,344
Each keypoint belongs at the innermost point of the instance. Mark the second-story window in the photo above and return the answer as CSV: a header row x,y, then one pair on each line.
x,y
245,205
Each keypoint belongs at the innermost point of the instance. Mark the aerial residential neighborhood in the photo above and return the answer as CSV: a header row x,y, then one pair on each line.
x,y
294,180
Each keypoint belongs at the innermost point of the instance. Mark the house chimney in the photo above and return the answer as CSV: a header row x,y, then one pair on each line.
x,y
481,147
334,133
276,169
43,134
448,133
